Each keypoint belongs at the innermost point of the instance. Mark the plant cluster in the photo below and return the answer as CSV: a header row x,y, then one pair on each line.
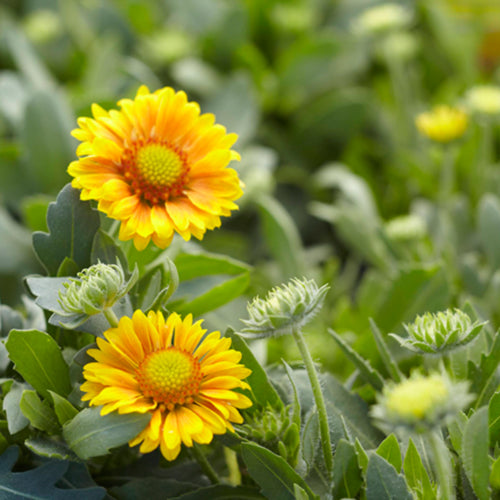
x,y
250,249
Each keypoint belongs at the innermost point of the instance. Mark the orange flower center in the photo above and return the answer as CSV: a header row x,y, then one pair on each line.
x,y
156,171
170,376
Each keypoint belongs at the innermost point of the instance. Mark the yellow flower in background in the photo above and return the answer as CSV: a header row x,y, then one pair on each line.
x,y
442,124
484,99
420,402
169,369
157,166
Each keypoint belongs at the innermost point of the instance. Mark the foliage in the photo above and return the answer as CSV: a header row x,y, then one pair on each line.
x,y
343,191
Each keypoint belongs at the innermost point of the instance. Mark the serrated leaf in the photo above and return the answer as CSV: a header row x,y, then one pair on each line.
x,y
416,475
310,442
39,360
262,390
352,409
64,410
72,226
16,421
369,374
383,482
91,434
475,446
39,483
39,413
346,475
390,451
272,473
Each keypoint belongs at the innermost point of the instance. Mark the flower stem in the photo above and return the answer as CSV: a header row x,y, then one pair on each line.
x,y
207,469
318,398
233,467
111,317
442,463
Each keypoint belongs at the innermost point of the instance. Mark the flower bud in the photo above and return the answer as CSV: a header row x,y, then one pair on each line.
x,y
443,124
420,403
435,333
97,288
286,307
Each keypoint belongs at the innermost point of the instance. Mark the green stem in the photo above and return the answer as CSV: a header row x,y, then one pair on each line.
x,y
233,467
111,317
442,464
447,175
207,469
318,398
485,157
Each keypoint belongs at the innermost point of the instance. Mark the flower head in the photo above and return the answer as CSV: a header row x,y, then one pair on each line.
x,y
169,369
443,124
484,99
291,305
97,288
437,333
383,18
420,402
158,166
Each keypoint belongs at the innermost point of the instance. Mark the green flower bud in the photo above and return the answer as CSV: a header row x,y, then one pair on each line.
x,y
273,429
420,403
96,289
439,333
286,307
406,228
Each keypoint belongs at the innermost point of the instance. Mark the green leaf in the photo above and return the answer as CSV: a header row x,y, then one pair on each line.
x,y
40,414
362,456
296,402
282,237
416,475
383,482
390,451
39,360
414,291
495,474
63,408
152,488
39,483
346,475
489,228
456,430
300,493
494,418
72,226
341,403
35,210
272,473
310,442
221,491
475,446
203,290
105,250
369,374
91,434
263,392
50,448
16,421
387,358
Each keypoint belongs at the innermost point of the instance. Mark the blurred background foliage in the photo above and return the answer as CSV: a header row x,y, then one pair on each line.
x,y
340,186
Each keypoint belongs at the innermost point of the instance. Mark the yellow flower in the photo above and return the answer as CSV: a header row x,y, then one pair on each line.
x,y
165,367
158,166
484,99
416,398
442,124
